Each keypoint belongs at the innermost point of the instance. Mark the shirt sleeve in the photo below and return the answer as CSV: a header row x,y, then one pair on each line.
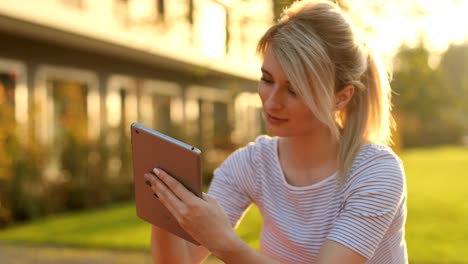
x,y
373,195
233,184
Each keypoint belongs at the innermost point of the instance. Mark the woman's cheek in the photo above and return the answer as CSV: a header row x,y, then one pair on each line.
x,y
262,93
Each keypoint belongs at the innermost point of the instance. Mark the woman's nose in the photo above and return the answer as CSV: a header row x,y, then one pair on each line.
x,y
274,99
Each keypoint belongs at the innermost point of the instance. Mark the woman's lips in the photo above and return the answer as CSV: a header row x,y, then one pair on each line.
x,y
274,120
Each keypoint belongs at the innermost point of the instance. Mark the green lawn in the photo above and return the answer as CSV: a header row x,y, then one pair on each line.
x,y
437,226
114,227
437,229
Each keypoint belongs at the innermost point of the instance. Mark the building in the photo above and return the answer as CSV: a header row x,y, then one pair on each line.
x,y
87,69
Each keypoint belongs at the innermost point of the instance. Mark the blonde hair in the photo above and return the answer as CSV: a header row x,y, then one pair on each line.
x,y
320,52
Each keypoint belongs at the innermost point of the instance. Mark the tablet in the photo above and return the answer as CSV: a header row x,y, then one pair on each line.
x,y
152,149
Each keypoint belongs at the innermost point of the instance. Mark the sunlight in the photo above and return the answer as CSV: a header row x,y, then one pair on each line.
x,y
141,9
147,109
437,23
446,22
176,112
213,33
21,103
113,108
192,110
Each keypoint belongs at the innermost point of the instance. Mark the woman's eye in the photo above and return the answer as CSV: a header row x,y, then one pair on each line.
x,y
263,79
291,91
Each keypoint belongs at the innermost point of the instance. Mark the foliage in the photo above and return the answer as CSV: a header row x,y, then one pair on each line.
x,y
279,6
21,160
30,185
426,110
453,69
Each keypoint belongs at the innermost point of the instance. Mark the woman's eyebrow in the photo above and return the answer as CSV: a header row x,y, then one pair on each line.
x,y
264,71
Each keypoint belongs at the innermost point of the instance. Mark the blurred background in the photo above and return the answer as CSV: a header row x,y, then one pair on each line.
x,y
74,74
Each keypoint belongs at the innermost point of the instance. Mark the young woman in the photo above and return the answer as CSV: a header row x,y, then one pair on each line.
x,y
328,187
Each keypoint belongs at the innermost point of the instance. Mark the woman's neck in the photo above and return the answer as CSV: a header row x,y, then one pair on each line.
x,y
306,159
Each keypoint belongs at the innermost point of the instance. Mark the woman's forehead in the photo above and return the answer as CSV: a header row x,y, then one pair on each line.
x,y
271,64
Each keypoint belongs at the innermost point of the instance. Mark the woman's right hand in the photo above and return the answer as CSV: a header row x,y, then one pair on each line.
x,y
204,219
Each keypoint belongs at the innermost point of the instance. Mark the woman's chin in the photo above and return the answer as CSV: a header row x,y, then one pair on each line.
x,y
278,132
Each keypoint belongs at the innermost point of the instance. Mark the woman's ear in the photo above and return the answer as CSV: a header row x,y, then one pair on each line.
x,y
343,97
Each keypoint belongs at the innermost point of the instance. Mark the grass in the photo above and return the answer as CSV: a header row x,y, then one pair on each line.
x,y
113,227
437,229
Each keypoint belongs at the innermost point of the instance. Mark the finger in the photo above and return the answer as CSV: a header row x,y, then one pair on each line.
x,y
164,194
151,182
175,186
179,209
208,198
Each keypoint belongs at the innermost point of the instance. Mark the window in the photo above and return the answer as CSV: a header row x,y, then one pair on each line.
x,y
69,115
209,115
121,102
14,94
221,125
7,90
68,118
161,107
213,36
248,118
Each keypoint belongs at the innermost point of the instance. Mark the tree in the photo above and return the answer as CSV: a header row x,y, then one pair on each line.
x,y
279,6
453,69
423,104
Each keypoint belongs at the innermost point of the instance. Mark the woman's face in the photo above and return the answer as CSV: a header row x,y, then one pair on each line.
x,y
286,114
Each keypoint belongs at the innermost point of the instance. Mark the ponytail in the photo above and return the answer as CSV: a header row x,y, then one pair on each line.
x,y
367,118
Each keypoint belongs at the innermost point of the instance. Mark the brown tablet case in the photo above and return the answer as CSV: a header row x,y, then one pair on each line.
x,y
152,149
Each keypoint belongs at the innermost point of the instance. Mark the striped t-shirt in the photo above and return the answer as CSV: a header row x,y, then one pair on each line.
x,y
366,214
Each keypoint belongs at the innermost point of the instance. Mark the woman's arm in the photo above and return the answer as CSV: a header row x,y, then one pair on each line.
x,y
168,248
333,252
240,252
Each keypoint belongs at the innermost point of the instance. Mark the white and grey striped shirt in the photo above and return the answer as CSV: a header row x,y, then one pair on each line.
x,y
366,214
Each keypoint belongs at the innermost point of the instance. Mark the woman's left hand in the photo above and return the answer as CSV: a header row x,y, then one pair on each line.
x,y
203,219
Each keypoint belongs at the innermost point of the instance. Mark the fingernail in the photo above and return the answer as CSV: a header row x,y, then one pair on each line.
x,y
156,171
148,183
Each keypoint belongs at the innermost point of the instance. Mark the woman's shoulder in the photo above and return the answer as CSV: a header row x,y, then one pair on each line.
x,y
254,152
264,140
262,145
375,161
374,153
